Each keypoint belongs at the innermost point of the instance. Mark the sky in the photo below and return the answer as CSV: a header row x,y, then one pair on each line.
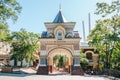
x,y
36,12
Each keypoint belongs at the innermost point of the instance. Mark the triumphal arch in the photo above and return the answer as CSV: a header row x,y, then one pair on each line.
x,y
59,39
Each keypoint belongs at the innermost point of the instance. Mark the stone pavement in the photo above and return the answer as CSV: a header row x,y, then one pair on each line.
x,y
29,75
6,76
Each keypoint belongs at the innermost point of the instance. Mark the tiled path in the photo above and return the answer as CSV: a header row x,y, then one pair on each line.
x,y
5,76
23,76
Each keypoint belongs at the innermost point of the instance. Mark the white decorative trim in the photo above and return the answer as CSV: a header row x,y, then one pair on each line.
x,y
63,47
43,52
76,52
60,28
89,52
71,40
42,65
76,64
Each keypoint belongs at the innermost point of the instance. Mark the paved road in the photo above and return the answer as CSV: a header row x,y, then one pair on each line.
x,y
6,76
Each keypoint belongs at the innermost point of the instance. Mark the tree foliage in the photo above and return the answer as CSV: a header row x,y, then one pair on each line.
x,y
9,9
59,60
24,46
4,32
83,61
105,37
62,61
106,9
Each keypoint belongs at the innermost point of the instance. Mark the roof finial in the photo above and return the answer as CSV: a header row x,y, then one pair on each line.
x,y
60,7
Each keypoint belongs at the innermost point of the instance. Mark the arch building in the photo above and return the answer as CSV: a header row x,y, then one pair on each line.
x,y
59,39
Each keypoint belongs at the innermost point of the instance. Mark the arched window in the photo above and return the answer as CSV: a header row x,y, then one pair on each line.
x,y
59,35
89,56
59,32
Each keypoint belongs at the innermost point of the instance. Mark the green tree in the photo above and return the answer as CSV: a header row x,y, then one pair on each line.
x,y
83,61
9,9
62,61
4,32
24,46
105,9
18,52
106,34
56,59
32,46
116,57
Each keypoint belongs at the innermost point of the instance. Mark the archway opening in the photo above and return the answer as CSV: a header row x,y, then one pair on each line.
x,y
89,56
59,61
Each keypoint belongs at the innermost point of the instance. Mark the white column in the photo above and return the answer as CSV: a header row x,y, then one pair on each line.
x,y
43,61
76,61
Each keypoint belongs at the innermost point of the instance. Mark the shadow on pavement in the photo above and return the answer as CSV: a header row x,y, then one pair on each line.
x,y
20,72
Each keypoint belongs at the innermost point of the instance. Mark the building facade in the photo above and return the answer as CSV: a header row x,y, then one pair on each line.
x,y
4,53
60,38
91,54
5,49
